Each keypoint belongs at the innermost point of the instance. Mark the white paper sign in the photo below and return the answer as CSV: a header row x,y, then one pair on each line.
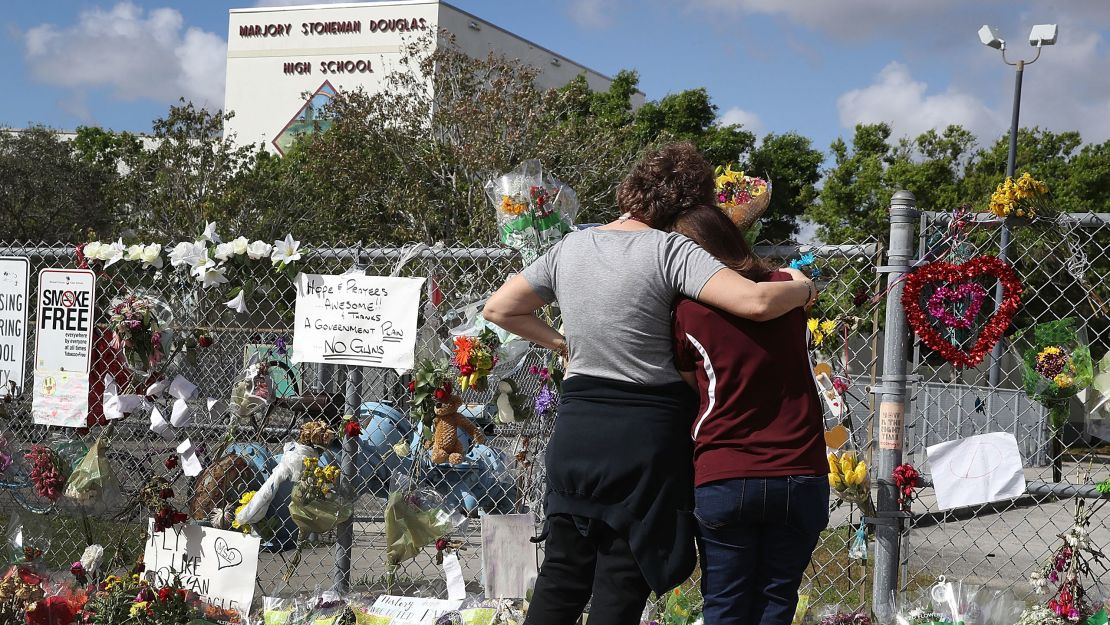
x,y
412,610
61,398
65,320
217,565
63,347
509,566
976,470
14,275
353,319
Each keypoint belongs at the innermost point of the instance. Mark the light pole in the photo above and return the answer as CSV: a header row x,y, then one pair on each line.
x,y
1041,35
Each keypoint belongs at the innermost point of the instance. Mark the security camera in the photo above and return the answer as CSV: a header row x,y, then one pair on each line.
x,y
989,36
1042,35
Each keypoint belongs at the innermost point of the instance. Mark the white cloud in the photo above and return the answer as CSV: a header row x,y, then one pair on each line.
x,y
838,17
136,54
896,98
594,14
749,120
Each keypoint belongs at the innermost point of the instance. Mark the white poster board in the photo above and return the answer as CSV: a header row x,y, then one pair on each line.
x,y
976,470
353,319
411,610
219,566
15,273
63,346
509,562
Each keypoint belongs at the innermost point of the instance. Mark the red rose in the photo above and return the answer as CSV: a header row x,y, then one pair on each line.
x,y
205,341
166,493
165,594
352,428
171,462
412,387
440,394
441,544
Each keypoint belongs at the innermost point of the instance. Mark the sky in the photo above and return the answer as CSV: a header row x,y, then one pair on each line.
x,y
817,67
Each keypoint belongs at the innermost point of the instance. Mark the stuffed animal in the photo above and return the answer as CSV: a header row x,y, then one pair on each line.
x,y
445,444
512,407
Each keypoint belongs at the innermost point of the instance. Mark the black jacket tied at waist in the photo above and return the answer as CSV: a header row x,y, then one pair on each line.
x,y
621,454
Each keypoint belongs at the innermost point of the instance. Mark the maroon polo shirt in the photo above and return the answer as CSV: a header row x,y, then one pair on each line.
x,y
760,415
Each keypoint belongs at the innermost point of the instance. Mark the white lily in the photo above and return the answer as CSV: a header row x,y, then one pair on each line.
x,y
224,251
191,254
286,251
259,249
114,253
210,274
135,252
210,232
238,303
152,256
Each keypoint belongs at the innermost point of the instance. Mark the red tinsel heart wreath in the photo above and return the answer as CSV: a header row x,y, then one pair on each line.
x,y
942,274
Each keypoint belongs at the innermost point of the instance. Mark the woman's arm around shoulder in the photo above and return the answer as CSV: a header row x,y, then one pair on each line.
x,y
758,301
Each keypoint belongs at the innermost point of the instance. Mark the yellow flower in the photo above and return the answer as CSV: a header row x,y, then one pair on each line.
x,y
111,581
247,496
828,326
310,463
813,324
331,472
1063,380
510,207
818,338
137,609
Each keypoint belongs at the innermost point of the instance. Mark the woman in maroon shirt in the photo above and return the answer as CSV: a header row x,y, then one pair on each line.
x,y
762,495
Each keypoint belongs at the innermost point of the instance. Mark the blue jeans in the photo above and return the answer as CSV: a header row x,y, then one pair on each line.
x,y
756,537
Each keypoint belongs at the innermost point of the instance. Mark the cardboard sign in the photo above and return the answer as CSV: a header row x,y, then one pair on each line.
x,y
411,610
892,422
353,319
14,277
219,566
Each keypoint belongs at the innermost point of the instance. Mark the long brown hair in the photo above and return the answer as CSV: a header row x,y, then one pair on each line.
x,y
710,228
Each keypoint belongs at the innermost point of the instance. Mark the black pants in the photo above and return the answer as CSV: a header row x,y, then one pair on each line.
x,y
583,559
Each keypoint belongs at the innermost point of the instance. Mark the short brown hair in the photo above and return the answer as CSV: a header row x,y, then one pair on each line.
x,y
667,180
710,228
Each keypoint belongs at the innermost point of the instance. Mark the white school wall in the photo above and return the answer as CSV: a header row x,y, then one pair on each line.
x,y
272,61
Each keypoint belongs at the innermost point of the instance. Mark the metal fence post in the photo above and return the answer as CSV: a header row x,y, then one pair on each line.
x,y
345,533
892,406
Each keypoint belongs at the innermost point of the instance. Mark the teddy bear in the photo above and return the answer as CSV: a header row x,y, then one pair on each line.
x,y
445,444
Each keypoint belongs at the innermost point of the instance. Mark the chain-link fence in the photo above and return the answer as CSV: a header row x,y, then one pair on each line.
x,y
502,476
1063,264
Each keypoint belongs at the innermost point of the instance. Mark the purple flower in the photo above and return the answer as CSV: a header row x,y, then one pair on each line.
x,y
1053,577
1073,614
279,345
134,324
545,401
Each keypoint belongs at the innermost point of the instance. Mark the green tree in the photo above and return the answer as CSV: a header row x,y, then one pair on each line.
x,y
48,192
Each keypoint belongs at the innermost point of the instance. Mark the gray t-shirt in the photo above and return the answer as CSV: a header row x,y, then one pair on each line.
x,y
616,290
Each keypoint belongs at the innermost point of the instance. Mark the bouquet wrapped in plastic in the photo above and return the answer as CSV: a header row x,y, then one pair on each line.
x,y
743,198
318,503
414,519
1057,363
93,484
139,327
252,393
533,208
849,480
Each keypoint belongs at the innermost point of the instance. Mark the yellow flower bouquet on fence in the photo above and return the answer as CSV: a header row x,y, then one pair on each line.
x,y
1025,197
318,505
849,480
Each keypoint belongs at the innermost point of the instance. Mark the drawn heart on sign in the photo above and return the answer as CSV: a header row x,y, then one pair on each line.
x,y
946,275
227,556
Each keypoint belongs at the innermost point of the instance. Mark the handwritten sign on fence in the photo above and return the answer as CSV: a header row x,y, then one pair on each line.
x,y
14,274
217,565
353,319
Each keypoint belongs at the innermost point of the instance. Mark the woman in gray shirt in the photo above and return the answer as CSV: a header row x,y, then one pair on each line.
x,y
619,462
